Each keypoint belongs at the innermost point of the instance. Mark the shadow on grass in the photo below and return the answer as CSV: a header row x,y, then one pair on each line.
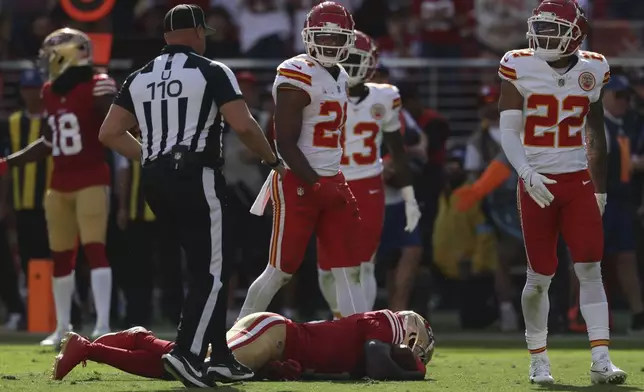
x,y
590,388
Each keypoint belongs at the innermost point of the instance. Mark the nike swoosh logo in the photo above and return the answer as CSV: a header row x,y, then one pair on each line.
x,y
585,182
297,66
506,59
374,191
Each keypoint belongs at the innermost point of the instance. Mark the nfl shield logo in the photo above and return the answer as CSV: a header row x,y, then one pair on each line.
x,y
561,82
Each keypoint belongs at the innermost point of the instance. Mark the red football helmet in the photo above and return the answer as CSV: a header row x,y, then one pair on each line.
x,y
328,33
556,29
363,59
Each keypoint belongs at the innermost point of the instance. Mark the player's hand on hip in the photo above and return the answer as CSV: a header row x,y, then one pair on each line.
x,y
601,202
535,185
281,170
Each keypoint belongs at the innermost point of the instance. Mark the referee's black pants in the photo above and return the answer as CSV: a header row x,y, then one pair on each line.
x,y
190,204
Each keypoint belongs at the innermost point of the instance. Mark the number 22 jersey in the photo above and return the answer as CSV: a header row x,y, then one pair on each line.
x,y
78,155
555,107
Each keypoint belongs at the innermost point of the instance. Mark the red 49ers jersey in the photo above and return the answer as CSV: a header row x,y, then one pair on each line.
x,y
79,158
337,346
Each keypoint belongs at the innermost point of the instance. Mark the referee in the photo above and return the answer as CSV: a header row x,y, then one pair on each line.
x,y
178,101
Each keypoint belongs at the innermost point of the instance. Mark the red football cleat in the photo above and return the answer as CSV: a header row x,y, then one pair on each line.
x,y
121,339
73,351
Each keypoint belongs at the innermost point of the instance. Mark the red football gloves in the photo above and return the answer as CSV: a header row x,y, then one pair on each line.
x,y
4,166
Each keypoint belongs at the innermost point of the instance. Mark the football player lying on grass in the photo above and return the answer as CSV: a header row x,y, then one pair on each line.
x,y
380,345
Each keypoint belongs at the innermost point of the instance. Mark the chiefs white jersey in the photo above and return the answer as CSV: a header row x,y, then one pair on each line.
x,y
378,112
324,117
555,107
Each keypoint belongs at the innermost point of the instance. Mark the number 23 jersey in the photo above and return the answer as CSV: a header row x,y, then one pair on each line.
x,y
324,117
74,122
555,107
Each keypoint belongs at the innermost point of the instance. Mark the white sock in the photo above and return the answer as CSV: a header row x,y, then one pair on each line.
x,y
594,307
102,292
326,281
368,282
261,292
351,299
536,306
63,287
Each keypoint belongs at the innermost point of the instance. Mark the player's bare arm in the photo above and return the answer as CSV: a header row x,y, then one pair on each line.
x,y
115,133
248,130
597,150
102,104
381,366
290,102
396,146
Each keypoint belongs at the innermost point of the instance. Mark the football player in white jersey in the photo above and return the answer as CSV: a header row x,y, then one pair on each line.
x,y
373,118
551,112
311,99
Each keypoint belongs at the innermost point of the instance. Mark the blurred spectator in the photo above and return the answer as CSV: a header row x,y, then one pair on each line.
x,y
399,40
244,177
428,182
619,236
626,9
501,24
26,39
223,43
443,24
264,28
465,251
484,144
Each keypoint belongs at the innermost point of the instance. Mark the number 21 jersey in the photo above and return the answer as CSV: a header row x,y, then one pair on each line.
x,y
555,107
324,117
78,155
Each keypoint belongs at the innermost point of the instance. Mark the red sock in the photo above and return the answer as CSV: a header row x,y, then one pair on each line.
x,y
96,257
138,362
152,344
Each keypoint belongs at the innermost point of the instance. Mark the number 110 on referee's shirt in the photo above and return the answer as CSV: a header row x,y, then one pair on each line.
x,y
172,89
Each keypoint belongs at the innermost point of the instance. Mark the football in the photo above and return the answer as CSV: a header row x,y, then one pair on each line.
x,y
403,356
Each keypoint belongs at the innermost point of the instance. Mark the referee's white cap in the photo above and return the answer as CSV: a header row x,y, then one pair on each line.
x,y
186,16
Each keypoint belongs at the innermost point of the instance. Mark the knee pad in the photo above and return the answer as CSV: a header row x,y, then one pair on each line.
x,y
275,276
588,272
537,282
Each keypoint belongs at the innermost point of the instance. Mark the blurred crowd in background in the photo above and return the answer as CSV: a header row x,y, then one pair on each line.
x,y
472,259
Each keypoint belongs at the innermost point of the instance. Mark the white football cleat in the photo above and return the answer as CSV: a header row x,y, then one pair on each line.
x,y
56,338
540,370
604,372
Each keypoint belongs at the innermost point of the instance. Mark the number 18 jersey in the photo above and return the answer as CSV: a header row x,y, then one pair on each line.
x,y
78,155
323,118
555,107
378,111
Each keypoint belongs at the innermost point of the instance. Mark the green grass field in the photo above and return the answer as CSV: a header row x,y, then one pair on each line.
x,y
461,364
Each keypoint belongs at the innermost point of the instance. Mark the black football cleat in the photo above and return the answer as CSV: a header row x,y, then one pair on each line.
x,y
185,369
227,370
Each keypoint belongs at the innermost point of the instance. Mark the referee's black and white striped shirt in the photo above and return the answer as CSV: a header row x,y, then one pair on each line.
x,y
176,99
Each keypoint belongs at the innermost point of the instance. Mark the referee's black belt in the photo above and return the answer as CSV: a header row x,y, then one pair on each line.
x,y
177,161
